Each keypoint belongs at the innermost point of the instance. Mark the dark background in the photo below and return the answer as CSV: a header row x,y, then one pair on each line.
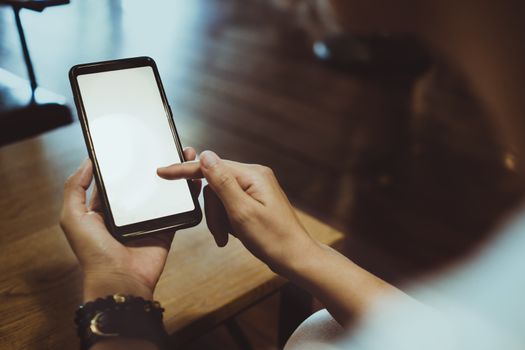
x,y
405,164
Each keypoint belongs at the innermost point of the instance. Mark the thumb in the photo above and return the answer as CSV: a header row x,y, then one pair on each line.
x,y
76,186
222,180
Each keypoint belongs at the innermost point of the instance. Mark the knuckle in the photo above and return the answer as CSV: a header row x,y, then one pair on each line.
x,y
262,175
265,171
224,180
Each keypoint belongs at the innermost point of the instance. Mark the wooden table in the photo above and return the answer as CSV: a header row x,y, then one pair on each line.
x,y
40,281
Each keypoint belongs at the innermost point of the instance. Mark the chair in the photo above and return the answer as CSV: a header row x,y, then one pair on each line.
x,y
27,110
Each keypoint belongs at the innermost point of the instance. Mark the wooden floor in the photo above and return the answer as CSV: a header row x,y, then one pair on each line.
x,y
413,172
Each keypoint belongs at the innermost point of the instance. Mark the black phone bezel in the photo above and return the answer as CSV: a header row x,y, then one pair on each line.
x,y
168,223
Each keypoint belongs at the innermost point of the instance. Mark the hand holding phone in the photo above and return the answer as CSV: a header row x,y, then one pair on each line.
x,y
110,266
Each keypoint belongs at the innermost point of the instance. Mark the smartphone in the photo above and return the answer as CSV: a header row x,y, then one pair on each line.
x,y
129,132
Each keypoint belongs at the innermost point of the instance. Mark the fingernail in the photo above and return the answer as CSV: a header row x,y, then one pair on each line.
x,y
208,159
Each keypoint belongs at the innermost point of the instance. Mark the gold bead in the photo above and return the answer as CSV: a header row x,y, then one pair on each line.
x,y
119,298
156,305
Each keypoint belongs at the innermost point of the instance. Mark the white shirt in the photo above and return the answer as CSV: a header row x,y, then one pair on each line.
x,y
478,305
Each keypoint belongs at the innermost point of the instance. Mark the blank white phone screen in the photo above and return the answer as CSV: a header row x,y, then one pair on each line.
x,y
131,138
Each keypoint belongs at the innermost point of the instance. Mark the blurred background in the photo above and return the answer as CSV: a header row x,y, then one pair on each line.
x,y
366,134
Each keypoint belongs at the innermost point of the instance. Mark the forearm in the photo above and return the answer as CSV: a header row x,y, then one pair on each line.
x,y
342,286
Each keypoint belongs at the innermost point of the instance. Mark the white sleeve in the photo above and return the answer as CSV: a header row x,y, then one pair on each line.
x,y
319,331
478,305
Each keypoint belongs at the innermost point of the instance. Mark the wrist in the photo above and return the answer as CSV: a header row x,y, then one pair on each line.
x,y
298,257
130,321
101,284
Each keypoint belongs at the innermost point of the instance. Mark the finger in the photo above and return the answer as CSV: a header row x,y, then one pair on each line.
x,y
216,217
189,153
95,203
192,169
221,178
196,186
178,171
187,170
76,186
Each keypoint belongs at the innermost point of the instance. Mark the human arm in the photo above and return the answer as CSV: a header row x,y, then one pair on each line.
x,y
108,266
247,201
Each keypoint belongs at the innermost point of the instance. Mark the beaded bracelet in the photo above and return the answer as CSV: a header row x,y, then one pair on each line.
x,y
120,316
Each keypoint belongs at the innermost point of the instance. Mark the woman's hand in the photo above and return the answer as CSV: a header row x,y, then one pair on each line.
x,y
109,266
247,201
